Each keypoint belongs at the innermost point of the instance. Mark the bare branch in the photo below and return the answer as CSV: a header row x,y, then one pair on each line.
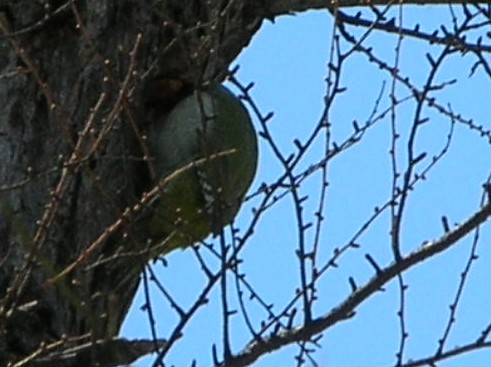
x,y
345,309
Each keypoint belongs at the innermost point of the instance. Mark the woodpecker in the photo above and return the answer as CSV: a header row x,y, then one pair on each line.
x,y
207,147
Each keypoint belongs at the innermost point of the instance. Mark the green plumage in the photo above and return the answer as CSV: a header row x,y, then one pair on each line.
x,y
212,129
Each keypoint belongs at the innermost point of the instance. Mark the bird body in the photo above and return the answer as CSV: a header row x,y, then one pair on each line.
x,y
210,137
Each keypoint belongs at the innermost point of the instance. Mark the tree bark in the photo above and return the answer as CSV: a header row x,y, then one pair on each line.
x,y
79,83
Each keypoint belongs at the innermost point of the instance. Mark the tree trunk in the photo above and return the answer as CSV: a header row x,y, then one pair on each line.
x,y
79,83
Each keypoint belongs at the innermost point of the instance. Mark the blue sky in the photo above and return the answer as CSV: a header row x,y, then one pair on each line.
x,y
287,62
